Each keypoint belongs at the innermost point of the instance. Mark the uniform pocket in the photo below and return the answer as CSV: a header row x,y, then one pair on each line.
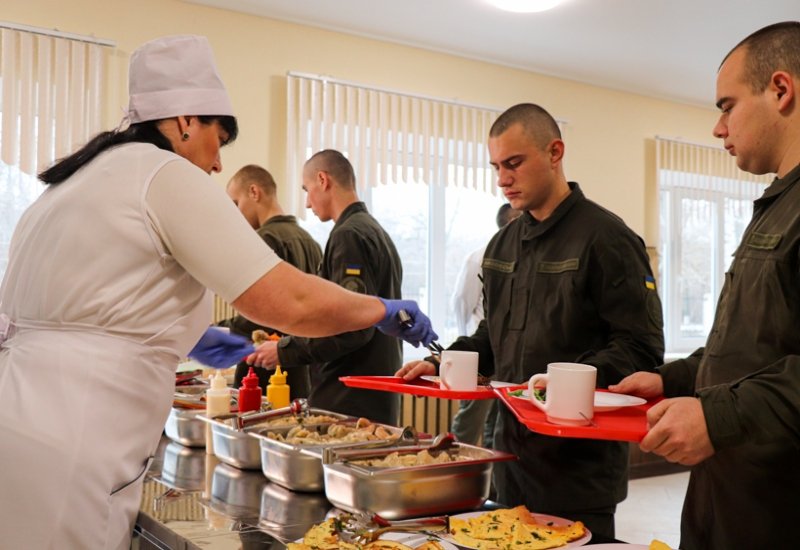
x,y
123,505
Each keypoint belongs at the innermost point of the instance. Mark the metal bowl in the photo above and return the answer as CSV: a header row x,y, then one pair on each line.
x,y
299,467
183,426
403,492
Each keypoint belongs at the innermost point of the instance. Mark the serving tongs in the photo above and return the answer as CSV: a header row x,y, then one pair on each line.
x,y
434,347
408,436
298,407
366,527
441,442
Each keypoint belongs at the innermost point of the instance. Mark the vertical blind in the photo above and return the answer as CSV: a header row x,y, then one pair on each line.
x,y
51,93
704,173
388,136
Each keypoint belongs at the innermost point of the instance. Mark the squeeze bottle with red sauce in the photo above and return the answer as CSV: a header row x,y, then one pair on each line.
x,y
249,393
278,389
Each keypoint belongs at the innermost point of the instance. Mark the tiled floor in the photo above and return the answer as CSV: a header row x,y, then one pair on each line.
x,y
652,509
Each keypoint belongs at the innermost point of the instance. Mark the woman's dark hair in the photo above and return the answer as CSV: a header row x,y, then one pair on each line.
x,y
142,132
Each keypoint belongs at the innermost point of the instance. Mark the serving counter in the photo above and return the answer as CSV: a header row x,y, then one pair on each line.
x,y
192,501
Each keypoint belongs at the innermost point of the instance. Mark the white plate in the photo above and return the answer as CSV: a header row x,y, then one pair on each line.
x,y
494,383
605,401
540,518
411,539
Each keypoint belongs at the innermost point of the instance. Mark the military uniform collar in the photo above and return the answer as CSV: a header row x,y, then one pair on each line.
x,y
354,208
779,185
534,228
282,218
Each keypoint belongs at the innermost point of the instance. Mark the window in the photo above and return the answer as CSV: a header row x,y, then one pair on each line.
x,y
705,206
50,102
405,212
422,169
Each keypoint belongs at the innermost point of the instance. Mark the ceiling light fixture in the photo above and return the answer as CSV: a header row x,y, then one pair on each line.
x,y
525,6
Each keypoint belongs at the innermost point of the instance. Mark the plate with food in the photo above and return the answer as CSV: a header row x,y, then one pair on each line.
x,y
604,401
515,528
324,535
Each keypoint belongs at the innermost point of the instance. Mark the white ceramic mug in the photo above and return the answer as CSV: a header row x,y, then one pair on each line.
x,y
569,399
458,370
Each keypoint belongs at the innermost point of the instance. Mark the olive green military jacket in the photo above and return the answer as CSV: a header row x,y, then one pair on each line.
x,y
748,380
576,287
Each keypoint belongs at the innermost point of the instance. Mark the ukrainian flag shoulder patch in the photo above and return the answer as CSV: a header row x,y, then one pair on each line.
x,y
650,282
352,269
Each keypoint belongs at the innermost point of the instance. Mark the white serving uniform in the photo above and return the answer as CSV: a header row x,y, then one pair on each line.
x,y
105,293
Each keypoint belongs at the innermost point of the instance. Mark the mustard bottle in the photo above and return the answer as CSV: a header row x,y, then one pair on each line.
x,y
278,389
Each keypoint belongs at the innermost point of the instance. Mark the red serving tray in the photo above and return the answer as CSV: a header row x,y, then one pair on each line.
x,y
418,386
624,424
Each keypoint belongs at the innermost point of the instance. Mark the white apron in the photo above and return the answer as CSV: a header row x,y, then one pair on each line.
x,y
87,366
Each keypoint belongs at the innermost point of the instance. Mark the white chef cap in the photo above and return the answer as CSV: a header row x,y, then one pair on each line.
x,y
173,76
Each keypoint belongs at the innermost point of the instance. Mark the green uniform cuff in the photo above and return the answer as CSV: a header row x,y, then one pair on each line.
x,y
722,418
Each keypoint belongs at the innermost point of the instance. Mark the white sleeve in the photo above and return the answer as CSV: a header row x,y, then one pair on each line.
x,y
466,299
204,231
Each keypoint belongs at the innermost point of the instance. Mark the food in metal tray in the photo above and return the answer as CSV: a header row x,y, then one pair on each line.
x,y
323,536
298,420
421,458
511,528
363,430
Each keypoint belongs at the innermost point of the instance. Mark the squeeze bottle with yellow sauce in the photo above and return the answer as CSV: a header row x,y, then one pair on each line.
x,y
218,401
278,389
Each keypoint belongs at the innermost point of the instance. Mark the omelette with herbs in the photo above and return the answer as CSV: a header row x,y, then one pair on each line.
x,y
512,529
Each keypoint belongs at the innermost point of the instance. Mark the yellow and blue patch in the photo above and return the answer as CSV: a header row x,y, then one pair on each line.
x,y
650,282
352,269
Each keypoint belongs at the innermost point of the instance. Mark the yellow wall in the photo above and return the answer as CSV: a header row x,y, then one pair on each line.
x,y
608,150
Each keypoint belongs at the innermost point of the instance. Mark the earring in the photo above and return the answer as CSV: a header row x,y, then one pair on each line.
x,y
185,136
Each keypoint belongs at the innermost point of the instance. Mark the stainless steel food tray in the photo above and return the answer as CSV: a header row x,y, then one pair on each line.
x,y
183,426
236,493
299,467
288,514
414,491
238,448
183,467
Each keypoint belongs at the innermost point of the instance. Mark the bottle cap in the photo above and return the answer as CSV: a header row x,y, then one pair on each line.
x,y
218,382
279,377
251,380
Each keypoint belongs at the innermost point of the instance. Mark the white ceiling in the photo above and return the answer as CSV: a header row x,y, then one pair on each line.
x,y
661,48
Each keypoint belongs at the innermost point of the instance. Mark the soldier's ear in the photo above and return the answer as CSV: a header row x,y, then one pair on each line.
x,y
556,151
783,88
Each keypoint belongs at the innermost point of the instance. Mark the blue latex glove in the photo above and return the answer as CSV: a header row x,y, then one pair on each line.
x,y
417,331
220,349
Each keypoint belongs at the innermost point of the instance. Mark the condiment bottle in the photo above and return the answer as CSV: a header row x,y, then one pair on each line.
x,y
218,401
249,393
278,389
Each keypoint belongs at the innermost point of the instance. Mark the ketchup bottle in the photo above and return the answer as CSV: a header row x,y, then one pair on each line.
x,y
249,393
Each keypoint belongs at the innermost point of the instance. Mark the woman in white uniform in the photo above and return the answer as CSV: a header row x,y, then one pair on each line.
x,y
106,291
